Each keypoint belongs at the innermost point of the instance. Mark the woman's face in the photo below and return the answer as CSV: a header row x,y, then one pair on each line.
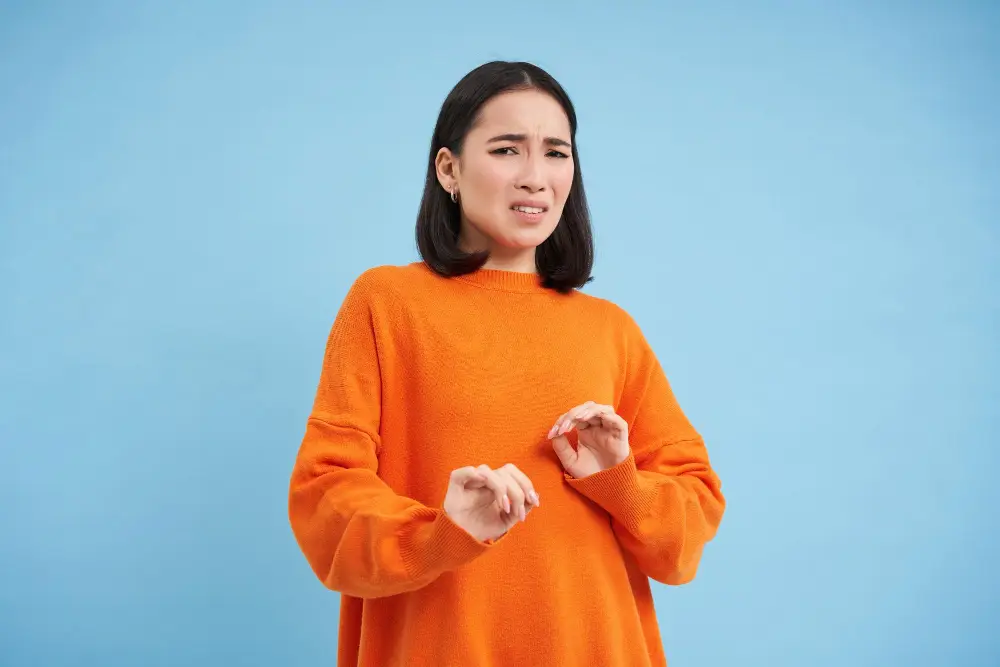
x,y
514,174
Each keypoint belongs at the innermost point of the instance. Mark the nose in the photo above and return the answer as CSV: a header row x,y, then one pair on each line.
x,y
531,176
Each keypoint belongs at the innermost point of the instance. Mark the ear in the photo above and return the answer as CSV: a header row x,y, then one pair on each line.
x,y
447,167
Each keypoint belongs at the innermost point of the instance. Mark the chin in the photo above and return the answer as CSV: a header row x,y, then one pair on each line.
x,y
527,237
523,241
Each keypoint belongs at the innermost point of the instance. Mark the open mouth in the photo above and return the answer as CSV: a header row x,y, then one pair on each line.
x,y
530,210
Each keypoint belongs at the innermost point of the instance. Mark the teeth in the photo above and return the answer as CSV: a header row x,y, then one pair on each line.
x,y
528,209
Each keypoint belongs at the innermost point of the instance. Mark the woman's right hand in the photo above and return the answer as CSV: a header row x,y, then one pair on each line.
x,y
487,502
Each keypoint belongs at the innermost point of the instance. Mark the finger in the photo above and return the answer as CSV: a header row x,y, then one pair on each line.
x,y
555,427
606,418
567,418
600,415
497,485
561,425
587,421
594,410
463,476
531,496
574,416
564,450
515,493
615,422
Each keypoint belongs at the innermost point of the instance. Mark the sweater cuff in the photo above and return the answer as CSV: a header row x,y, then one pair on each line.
x,y
442,545
615,489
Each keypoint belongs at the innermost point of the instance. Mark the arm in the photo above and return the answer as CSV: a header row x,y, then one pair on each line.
x,y
665,500
358,535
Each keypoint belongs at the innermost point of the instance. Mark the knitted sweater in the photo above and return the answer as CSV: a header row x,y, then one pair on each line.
x,y
424,374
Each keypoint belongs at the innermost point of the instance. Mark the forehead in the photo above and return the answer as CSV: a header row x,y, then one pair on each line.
x,y
524,112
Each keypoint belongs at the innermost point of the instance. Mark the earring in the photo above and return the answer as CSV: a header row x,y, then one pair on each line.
x,y
454,195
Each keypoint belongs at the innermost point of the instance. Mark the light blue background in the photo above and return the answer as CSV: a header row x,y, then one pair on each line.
x,y
798,201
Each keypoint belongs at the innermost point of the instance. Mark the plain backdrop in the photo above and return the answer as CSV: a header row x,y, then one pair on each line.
x,y
798,201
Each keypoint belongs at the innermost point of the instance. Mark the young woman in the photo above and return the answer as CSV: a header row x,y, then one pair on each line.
x,y
495,465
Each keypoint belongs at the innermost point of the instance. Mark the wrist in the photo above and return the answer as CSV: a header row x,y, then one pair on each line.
x,y
615,459
476,535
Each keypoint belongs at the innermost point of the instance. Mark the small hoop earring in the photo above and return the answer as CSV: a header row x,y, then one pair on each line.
x,y
454,196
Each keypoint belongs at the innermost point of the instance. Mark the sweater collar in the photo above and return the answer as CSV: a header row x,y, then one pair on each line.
x,y
505,281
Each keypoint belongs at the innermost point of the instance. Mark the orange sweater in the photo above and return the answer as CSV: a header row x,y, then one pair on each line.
x,y
423,375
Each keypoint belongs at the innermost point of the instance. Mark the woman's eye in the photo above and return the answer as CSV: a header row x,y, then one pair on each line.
x,y
510,150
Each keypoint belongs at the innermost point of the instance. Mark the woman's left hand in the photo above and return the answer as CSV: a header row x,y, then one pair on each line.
x,y
602,436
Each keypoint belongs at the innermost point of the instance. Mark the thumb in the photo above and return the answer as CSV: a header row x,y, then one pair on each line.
x,y
564,450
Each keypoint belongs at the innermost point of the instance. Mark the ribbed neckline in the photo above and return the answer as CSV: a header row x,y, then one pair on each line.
x,y
505,281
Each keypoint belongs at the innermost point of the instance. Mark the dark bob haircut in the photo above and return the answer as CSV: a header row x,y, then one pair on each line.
x,y
565,259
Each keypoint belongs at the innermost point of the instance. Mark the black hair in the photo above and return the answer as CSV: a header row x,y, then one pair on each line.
x,y
565,259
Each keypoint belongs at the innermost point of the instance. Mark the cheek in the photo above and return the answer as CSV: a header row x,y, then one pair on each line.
x,y
490,180
564,182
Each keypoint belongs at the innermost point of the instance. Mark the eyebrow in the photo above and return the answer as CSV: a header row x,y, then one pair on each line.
x,y
551,141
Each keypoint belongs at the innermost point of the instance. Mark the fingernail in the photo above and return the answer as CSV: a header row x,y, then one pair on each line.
x,y
534,497
506,504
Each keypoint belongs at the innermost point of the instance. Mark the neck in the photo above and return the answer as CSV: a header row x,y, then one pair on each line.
x,y
521,260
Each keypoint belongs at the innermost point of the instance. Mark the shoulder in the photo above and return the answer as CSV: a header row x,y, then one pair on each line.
x,y
387,275
613,315
389,280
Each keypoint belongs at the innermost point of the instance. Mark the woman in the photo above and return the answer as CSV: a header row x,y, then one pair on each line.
x,y
494,464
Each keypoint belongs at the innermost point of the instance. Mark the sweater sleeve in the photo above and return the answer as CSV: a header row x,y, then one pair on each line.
x,y
359,536
665,500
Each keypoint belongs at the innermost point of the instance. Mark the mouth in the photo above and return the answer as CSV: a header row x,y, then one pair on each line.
x,y
529,211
